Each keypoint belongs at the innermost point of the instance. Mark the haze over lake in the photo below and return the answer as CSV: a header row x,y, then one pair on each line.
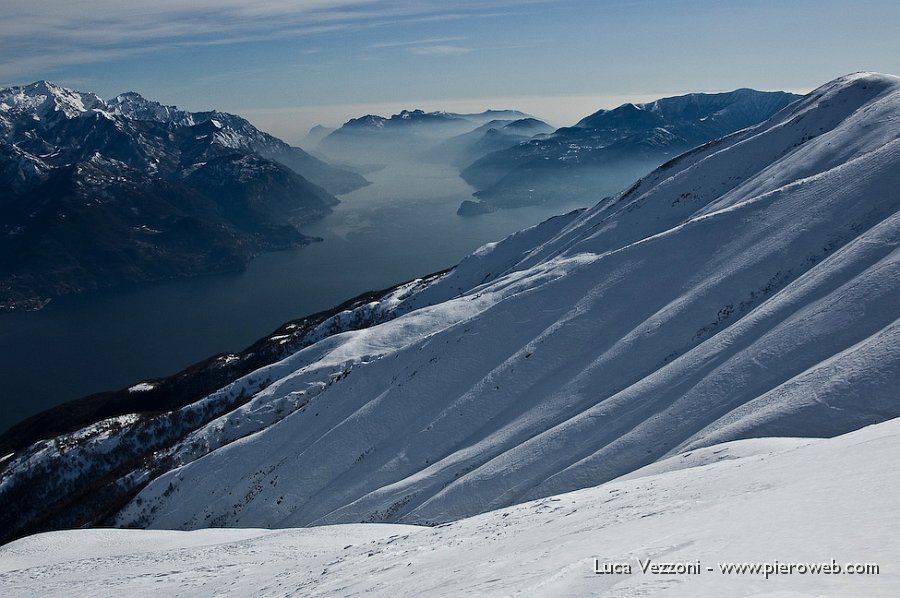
x,y
402,226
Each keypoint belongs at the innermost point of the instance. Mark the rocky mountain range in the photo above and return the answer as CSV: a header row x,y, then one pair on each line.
x,y
98,194
607,150
407,136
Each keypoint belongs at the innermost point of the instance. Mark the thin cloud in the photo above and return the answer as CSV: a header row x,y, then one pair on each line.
x,y
418,42
440,50
49,34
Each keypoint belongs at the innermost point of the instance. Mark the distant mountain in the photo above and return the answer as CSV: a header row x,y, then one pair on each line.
x,y
317,134
487,116
745,289
610,148
492,136
404,136
237,133
97,194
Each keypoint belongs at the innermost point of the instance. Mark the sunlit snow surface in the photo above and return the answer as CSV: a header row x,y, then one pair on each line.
x,y
790,500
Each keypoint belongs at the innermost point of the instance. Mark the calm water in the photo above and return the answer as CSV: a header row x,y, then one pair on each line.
x,y
403,226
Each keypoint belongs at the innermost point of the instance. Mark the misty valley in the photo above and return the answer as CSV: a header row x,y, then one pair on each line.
x,y
390,199
402,226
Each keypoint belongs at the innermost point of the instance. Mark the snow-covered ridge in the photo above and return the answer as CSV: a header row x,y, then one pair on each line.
x,y
732,104
43,99
790,500
43,106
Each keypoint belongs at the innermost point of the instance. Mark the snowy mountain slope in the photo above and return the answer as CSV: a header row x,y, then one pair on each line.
x,y
70,479
237,133
43,120
785,500
746,289
44,103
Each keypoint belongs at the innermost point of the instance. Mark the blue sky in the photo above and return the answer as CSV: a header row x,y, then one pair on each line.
x,y
287,65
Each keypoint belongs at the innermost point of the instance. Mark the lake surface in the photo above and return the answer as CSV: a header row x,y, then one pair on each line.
x,y
402,226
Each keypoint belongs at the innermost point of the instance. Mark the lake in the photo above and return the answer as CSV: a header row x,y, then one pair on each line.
x,y
402,226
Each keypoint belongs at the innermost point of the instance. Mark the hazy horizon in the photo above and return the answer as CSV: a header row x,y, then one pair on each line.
x,y
293,123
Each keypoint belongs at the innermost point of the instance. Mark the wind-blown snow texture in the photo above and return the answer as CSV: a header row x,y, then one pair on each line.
x,y
757,501
746,289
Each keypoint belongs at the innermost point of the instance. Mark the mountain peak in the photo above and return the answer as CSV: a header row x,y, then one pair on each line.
x,y
867,76
41,85
868,83
405,114
367,121
133,105
741,106
130,97
45,99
